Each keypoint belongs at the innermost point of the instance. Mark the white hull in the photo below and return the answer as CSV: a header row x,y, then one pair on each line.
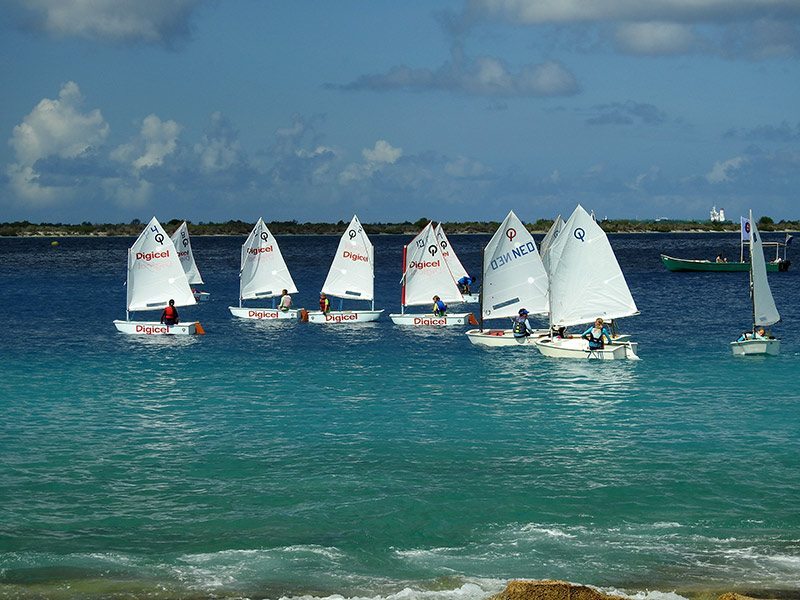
x,y
755,347
201,296
497,338
471,298
344,316
579,348
156,328
264,314
430,320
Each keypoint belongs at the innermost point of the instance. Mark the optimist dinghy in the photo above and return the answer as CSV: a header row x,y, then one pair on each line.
x,y
586,282
263,274
513,278
351,276
184,247
155,276
456,268
425,275
765,313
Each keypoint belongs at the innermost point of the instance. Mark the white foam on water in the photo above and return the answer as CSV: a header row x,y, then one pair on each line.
x,y
643,595
546,530
477,589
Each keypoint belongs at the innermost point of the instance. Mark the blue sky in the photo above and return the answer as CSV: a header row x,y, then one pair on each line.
x,y
454,110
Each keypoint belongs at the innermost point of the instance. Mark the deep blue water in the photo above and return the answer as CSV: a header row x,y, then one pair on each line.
x,y
287,459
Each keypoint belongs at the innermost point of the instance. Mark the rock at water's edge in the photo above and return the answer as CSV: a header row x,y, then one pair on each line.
x,y
549,589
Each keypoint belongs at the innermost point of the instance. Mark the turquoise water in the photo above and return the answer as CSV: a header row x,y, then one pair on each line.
x,y
273,460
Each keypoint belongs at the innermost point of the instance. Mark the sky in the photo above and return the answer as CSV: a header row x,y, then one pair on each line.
x,y
211,110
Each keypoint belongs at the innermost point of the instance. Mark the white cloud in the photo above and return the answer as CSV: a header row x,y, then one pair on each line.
x,y
563,11
114,20
53,128
157,140
656,38
734,29
482,76
725,170
219,149
465,168
382,154
57,127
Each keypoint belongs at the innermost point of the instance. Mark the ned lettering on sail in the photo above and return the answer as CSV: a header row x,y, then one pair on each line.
x,y
517,252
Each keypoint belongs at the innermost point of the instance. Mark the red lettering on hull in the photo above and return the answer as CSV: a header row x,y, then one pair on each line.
x,y
340,318
262,314
429,321
152,329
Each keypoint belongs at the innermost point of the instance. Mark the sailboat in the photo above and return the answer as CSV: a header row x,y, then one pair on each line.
x,y
765,313
586,282
425,275
155,276
184,247
513,278
263,274
351,276
450,256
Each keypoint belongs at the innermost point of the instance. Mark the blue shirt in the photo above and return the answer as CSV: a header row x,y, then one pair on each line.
x,y
603,332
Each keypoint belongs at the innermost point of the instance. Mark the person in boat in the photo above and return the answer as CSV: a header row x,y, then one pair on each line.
x,y
170,314
439,307
759,334
595,335
324,303
521,327
559,332
464,284
721,258
286,301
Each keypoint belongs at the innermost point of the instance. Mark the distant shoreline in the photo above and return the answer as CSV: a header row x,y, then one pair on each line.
x,y
241,228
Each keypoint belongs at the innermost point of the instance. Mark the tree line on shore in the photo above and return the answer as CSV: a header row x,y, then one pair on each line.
x,y
237,227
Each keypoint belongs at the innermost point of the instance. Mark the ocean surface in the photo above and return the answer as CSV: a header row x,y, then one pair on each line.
x,y
290,460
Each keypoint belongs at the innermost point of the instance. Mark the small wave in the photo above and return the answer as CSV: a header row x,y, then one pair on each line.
x,y
474,590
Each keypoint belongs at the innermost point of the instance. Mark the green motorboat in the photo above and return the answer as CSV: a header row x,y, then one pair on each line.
x,y
686,264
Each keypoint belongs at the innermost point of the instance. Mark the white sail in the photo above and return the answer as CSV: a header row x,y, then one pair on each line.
x,y
427,273
765,312
184,247
352,272
263,271
155,274
456,268
586,281
513,273
550,237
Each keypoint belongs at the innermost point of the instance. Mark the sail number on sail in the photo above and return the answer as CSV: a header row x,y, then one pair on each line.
x,y
518,252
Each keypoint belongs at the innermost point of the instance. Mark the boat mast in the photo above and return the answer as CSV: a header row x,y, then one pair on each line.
x,y
752,287
403,288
